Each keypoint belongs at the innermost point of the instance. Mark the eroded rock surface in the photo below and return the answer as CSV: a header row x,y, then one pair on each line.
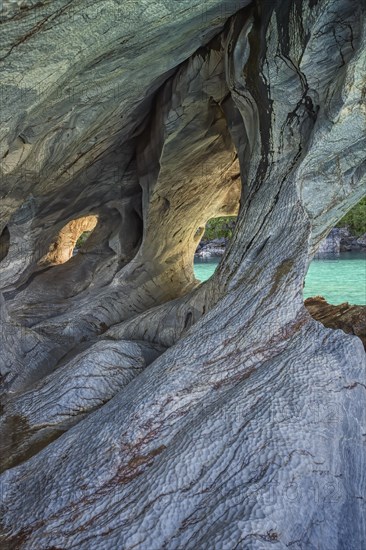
x,y
225,416
349,318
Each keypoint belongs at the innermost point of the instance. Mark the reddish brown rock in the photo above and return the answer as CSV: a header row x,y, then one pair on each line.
x,y
351,319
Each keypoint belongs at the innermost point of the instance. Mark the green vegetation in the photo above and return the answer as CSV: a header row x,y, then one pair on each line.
x,y
219,227
355,219
82,239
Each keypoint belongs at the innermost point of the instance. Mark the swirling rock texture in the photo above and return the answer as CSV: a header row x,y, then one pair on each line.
x,y
141,409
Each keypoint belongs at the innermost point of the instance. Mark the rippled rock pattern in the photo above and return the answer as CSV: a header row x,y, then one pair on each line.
x,y
141,410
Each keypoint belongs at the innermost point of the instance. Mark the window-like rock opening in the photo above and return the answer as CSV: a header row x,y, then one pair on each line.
x,y
62,249
335,289
213,240
338,277
338,271
81,241
4,243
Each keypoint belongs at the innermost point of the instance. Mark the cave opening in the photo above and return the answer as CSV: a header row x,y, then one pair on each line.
x,y
212,240
4,243
169,391
335,290
81,241
338,270
63,247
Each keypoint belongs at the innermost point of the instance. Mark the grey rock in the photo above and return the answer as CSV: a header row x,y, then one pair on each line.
x,y
212,248
362,241
248,430
331,244
352,243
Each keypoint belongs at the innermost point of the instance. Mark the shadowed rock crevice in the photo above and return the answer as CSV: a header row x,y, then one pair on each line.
x,y
190,411
4,243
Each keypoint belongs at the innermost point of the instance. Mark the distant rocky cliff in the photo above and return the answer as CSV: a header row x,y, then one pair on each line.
x,y
341,240
338,240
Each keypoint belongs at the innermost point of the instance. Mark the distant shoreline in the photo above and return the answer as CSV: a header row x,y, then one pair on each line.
x,y
337,241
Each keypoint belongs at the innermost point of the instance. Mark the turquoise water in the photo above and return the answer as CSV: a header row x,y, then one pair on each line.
x,y
338,278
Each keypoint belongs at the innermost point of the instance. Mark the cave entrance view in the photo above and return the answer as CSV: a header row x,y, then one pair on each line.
x,y
140,408
214,240
335,282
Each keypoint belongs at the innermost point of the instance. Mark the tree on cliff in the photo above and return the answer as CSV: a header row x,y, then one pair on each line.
x,y
355,219
140,409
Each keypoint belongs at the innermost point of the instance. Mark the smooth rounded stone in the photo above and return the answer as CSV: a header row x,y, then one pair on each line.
x,y
210,252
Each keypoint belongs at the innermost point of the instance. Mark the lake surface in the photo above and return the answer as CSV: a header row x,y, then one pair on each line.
x,y
338,278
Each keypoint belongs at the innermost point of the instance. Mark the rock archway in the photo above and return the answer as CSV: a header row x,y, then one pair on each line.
x,y
142,410
62,249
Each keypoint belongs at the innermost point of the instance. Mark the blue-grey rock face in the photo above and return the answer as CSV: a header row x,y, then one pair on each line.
x,y
332,243
139,409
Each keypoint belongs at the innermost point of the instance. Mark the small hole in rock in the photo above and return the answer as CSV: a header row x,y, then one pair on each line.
x,y
73,235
